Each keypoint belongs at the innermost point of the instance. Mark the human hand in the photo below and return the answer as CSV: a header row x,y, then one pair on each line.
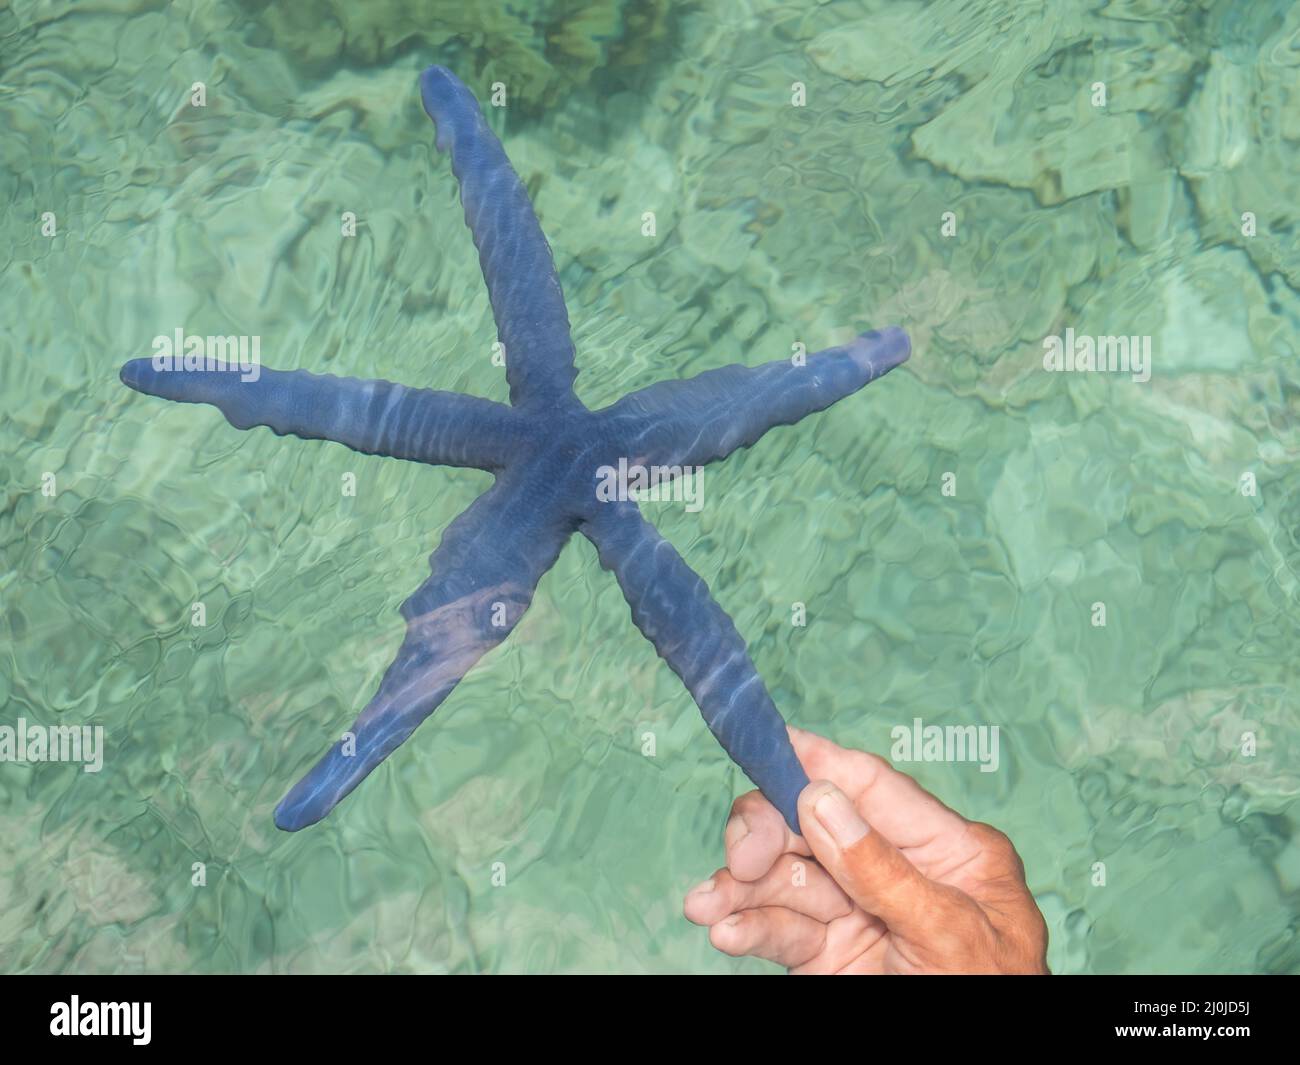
x,y
900,884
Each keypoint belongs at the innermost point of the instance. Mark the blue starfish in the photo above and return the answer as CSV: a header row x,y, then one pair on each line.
x,y
549,454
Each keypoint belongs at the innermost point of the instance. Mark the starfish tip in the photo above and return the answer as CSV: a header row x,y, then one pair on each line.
x,y
437,84
290,817
882,350
134,373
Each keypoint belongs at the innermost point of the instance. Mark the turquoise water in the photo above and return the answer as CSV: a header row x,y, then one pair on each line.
x,y
522,828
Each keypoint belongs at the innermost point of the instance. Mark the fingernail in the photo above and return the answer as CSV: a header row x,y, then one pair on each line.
x,y
840,818
732,921
704,888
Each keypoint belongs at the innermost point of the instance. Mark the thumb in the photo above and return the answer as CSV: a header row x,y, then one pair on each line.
x,y
873,872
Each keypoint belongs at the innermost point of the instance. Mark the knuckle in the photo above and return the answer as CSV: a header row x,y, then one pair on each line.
x,y
748,803
724,883
729,939
869,767
994,842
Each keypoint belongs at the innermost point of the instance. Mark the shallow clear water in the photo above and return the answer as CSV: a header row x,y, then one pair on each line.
x,y
1122,744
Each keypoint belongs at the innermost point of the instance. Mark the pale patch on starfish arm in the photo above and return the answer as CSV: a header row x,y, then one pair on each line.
x,y
484,573
517,264
702,419
674,610
373,417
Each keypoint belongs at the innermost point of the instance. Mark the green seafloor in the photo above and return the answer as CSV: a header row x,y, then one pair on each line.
x,y
1163,745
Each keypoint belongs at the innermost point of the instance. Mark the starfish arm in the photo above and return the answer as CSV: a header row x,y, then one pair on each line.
x,y
373,417
484,573
527,302
672,607
704,418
